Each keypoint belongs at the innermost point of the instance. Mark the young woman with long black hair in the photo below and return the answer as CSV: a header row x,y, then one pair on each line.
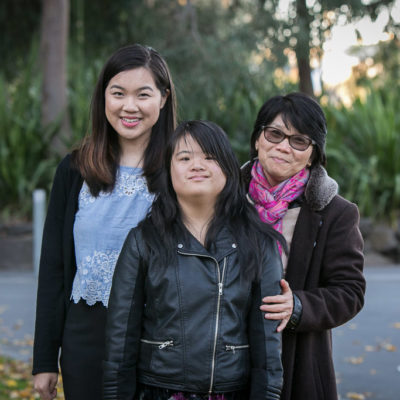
x,y
184,319
99,193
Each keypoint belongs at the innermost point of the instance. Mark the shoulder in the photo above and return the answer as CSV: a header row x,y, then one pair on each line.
x,y
321,189
67,166
340,207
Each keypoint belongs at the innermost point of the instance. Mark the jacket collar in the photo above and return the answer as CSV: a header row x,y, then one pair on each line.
x,y
224,245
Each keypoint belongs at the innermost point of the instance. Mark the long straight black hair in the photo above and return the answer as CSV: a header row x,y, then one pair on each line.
x,y
232,210
98,156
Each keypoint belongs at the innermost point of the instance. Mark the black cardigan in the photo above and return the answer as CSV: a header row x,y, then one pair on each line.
x,y
57,267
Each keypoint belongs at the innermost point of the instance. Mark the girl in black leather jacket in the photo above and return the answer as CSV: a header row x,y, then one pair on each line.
x,y
184,319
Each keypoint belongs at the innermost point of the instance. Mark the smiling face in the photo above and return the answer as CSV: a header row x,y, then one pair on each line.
x,y
279,160
132,105
195,175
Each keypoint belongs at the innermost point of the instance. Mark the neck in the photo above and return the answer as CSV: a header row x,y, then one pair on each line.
x,y
132,154
197,217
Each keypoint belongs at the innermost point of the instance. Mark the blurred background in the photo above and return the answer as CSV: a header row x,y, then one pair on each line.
x,y
226,57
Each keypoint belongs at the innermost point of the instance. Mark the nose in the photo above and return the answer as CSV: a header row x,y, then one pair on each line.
x,y
197,163
284,145
130,104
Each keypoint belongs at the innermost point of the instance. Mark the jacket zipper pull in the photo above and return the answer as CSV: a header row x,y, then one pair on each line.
x,y
220,285
165,344
230,348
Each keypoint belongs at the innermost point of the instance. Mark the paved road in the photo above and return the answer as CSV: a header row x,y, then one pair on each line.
x,y
366,350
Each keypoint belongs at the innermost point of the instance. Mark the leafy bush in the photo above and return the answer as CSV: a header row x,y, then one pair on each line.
x,y
364,152
24,146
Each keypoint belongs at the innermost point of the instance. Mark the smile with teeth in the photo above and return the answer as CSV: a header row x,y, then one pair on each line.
x,y
129,122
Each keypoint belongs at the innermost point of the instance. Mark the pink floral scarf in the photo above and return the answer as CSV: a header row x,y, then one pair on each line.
x,y
272,202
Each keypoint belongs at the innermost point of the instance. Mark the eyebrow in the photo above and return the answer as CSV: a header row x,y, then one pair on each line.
x,y
183,152
139,89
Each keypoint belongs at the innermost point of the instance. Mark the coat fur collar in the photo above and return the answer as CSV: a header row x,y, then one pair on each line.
x,y
320,189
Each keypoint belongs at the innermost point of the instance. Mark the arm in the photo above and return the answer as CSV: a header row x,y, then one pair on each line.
x,y
340,292
124,322
265,340
50,296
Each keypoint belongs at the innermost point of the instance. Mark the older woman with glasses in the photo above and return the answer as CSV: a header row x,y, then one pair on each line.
x,y
324,285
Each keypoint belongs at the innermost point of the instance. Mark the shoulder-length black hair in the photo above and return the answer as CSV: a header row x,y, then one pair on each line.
x,y
300,111
98,156
232,209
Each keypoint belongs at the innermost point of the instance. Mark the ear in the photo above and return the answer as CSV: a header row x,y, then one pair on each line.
x,y
164,98
256,145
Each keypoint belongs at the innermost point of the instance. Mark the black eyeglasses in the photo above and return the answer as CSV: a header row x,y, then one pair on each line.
x,y
297,142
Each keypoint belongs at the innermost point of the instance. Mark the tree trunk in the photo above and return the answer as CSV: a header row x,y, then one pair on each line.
x,y
303,49
53,52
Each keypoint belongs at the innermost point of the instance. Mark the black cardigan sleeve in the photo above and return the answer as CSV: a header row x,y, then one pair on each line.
x,y
265,342
50,305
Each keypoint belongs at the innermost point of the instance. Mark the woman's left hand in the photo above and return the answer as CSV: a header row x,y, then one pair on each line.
x,y
279,307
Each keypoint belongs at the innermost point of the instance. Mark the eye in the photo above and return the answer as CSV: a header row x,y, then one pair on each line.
x,y
117,93
299,140
209,157
275,133
144,95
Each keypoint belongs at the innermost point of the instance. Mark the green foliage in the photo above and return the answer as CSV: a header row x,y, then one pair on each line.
x,y
363,152
24,162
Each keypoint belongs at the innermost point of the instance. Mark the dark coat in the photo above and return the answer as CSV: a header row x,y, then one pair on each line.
x,y
192,324
57,267
325,271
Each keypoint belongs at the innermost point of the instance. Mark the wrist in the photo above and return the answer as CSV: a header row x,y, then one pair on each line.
x,y
296,314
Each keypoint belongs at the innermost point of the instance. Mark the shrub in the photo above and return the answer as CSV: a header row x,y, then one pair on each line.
x,y
364,152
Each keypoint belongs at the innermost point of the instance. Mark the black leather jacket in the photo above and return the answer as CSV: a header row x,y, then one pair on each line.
x,y
192,325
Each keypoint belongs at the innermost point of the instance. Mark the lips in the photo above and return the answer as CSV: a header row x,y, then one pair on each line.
x,y
130,122
198,177
279,160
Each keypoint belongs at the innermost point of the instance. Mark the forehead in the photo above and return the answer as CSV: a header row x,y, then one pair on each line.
x,y
133,77
186,143
284,125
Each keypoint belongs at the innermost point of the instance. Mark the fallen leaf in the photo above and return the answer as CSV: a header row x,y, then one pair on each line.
x,y
356,396
389,347
370,348
396,325
11,383
355,360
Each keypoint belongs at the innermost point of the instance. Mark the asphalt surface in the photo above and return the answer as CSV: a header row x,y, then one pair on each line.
x,y
366,349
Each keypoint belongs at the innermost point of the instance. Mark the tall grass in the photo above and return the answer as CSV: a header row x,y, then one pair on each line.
x,y
364,152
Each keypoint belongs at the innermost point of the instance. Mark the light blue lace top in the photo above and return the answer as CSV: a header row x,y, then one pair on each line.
x,y
101,226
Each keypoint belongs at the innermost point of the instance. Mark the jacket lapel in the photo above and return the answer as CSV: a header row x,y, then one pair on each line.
x,y
303,242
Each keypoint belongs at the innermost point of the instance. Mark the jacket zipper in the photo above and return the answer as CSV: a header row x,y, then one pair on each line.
x,y
220,292
233,348
161,345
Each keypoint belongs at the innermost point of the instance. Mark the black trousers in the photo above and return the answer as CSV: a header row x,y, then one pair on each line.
x,y
82,351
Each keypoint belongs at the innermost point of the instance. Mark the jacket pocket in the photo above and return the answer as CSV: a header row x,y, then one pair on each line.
x,y
161,358
234,348
161,345
233,364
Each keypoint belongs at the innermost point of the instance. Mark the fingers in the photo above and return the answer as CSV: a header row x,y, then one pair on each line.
x,y
45,385
285,286
282,325
278,315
